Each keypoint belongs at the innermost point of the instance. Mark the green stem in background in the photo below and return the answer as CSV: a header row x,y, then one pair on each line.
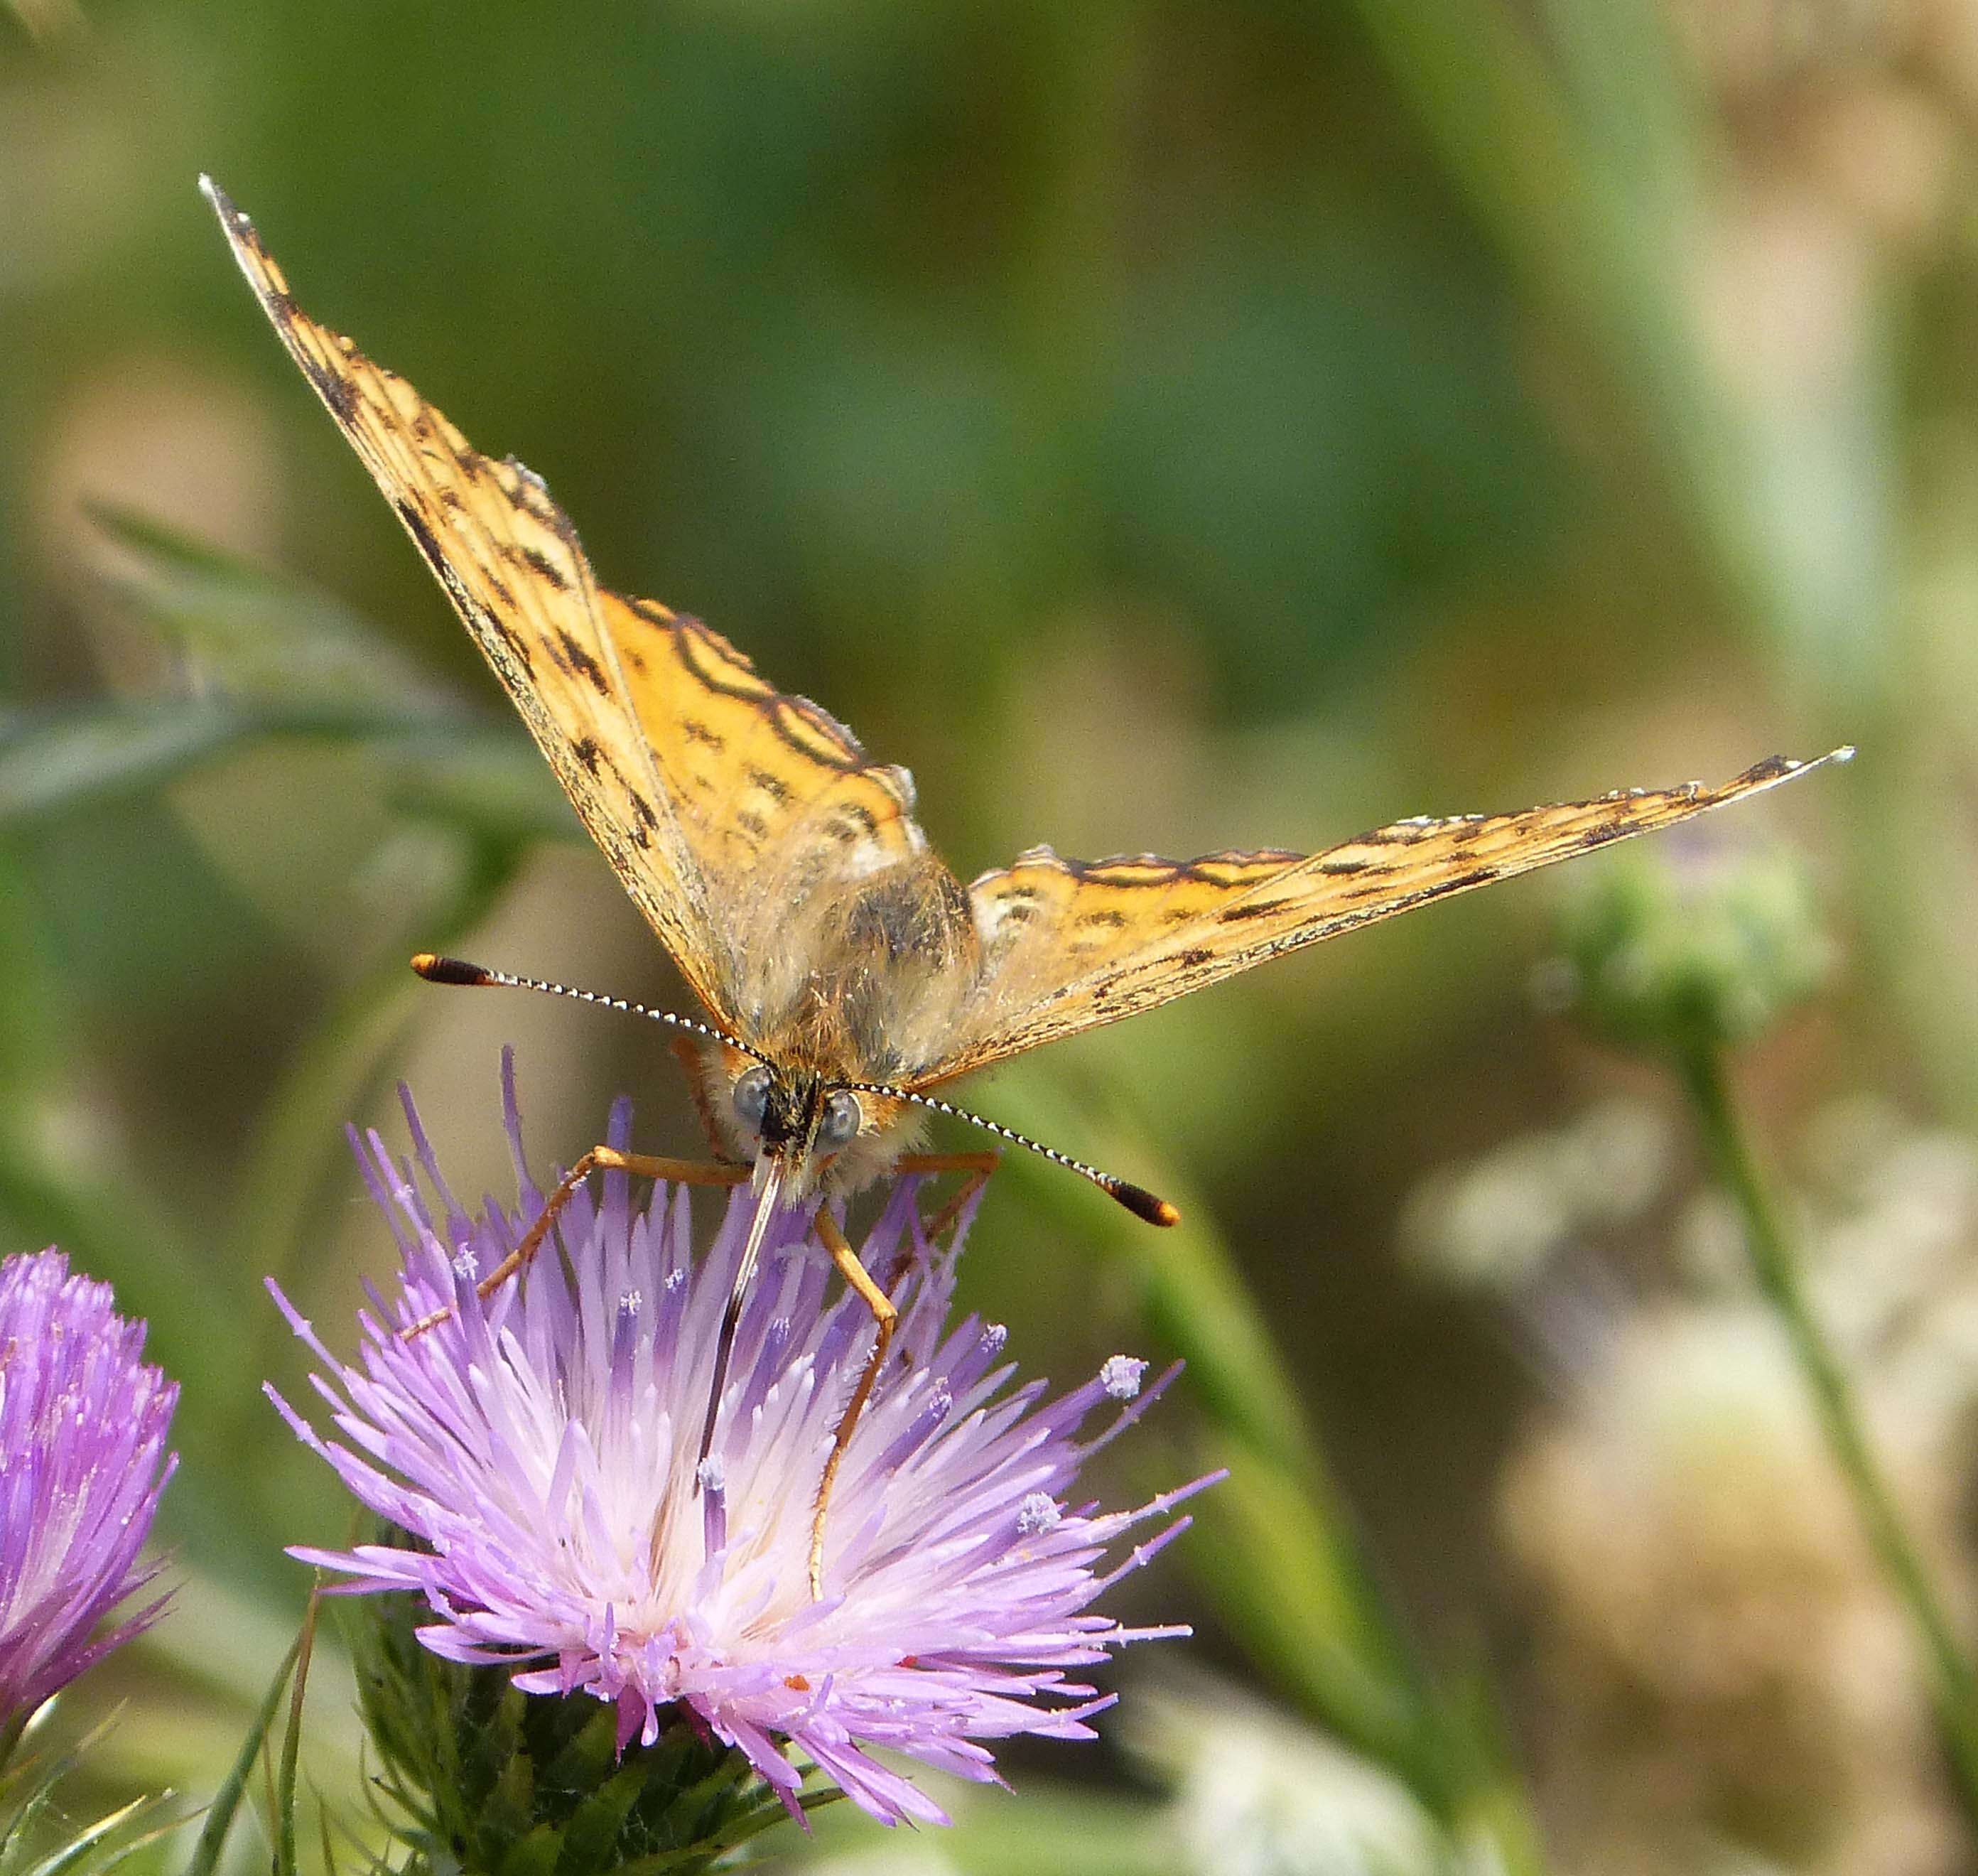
x,y
1279,1545
1954,1685
1581,157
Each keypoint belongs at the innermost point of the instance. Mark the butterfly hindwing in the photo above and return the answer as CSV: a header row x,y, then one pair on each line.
x,y
810,849
769,788
1069,946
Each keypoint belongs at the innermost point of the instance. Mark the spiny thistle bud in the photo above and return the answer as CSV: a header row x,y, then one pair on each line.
x,y
1692,941
481,1773
636,1633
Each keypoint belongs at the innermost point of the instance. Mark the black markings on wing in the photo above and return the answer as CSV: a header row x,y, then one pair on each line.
x,y
573,657
805,729
1067,945
1249,909
541,564
511,563
775,794
337,391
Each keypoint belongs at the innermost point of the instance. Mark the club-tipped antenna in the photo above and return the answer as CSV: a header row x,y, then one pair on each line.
x,y
437,970
1137,1199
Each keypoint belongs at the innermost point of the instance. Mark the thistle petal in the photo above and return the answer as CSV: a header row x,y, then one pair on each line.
x,y
536,1452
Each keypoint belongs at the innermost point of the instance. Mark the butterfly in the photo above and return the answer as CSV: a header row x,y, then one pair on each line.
x,y
847,973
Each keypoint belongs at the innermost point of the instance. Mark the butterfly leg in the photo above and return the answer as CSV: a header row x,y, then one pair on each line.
x,y
607,1159
978,1165
885,1315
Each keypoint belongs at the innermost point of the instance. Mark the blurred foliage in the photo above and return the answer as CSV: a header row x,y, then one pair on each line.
x,y
1162,424
38,1838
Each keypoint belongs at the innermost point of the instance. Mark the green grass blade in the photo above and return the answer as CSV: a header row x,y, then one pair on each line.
x,y
292,1744
262,635
227,1801
98,1848
65,762
1282,1549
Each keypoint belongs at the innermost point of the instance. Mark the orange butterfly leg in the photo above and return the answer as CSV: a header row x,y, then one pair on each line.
x,y
885,1315
978,1165
607,1159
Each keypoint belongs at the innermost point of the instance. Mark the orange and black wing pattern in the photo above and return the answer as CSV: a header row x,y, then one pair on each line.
x,y
712,794
1069,946
775,795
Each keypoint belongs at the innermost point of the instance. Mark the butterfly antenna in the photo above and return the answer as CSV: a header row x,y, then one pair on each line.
x,y
1136,1199
437,970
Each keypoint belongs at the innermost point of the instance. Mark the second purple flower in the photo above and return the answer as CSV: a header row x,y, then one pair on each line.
x,y
83,1420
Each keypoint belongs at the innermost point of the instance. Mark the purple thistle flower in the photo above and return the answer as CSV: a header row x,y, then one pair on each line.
x,y
539,1446
83,1420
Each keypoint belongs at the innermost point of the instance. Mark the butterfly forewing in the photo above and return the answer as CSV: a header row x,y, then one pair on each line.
x,y
713,794
511,563
1070,946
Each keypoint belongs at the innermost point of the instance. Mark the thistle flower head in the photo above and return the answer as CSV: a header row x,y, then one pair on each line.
x,y
83,1420
1699,940
538,1447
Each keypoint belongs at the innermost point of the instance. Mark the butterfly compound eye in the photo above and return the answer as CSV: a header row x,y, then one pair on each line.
x,y
751,1098
843,1118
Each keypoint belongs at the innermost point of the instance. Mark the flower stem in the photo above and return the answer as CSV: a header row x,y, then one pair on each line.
x,y
1953,1684
10,1735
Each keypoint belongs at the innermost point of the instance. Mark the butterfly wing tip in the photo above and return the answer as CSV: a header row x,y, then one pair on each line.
x,y
234,221
1787,768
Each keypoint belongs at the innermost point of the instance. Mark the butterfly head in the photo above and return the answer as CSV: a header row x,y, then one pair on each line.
x,y
824,1135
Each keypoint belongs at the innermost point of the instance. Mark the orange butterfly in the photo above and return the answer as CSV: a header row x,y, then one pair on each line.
x,y
847,970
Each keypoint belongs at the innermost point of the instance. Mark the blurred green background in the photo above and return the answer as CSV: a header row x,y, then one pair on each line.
x,y
1163,426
